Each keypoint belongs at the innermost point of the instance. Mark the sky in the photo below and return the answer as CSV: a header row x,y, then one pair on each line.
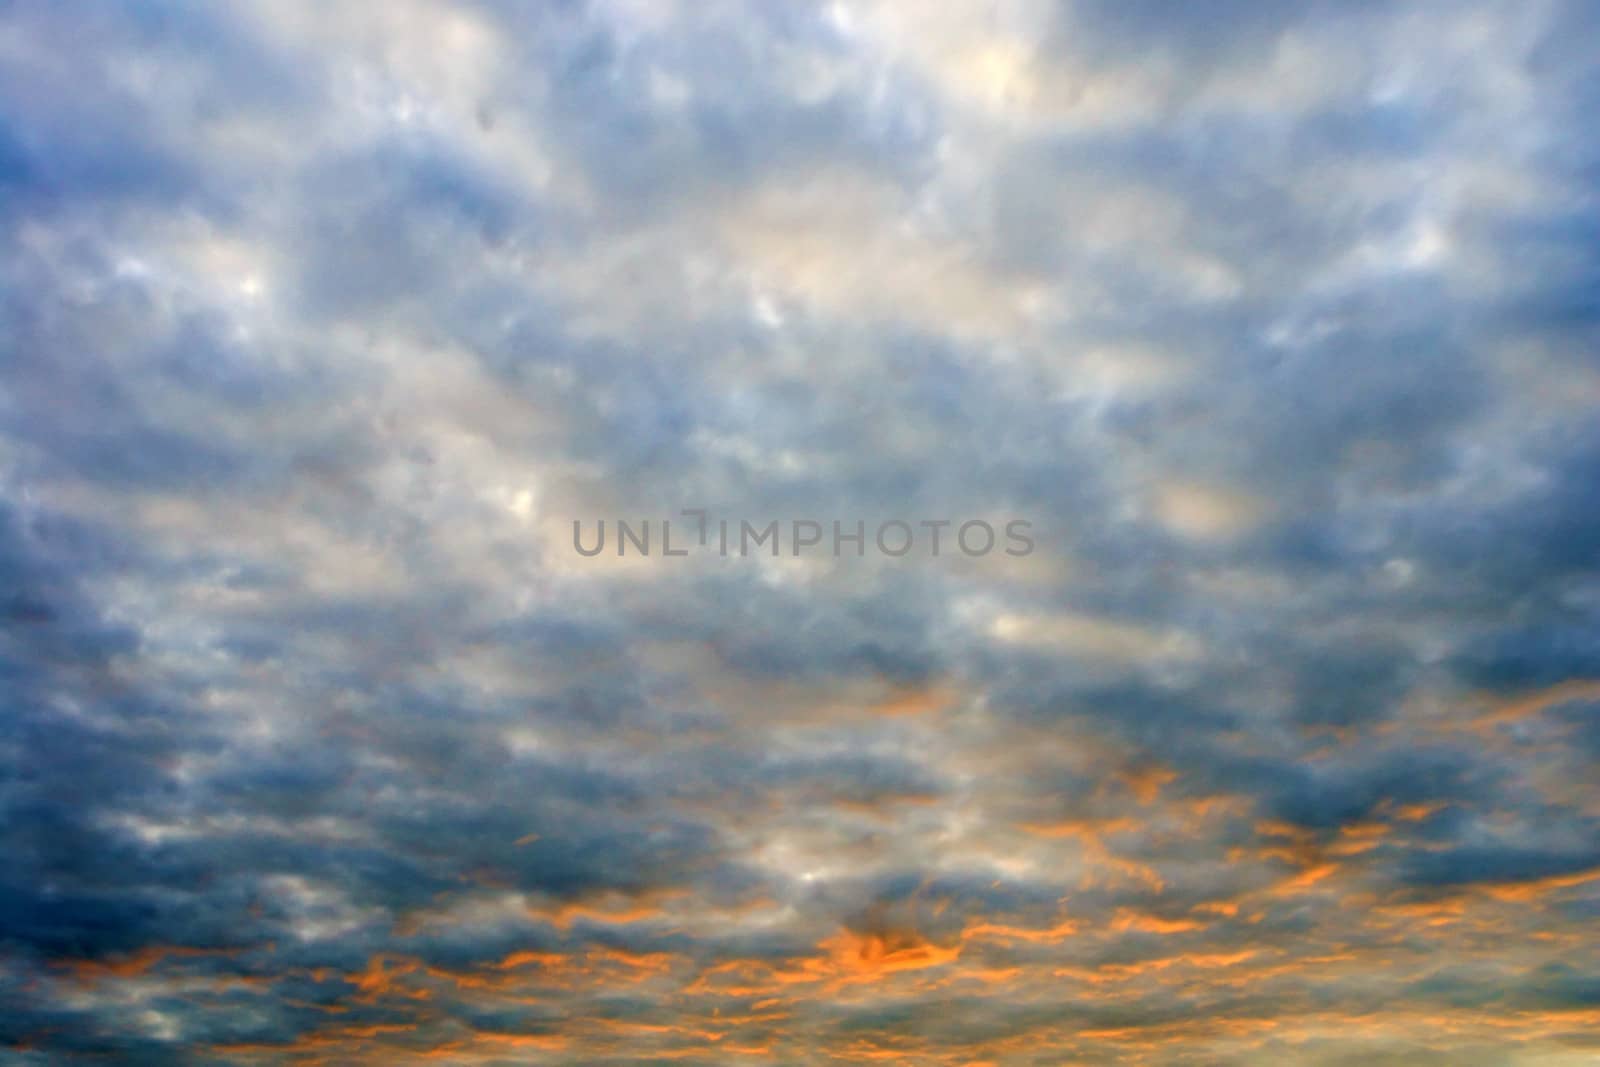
x,y
321,324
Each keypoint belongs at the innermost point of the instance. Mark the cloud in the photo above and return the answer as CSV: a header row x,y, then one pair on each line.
x,y
320,324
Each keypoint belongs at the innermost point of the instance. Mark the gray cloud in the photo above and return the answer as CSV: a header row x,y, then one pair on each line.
x,y
321,323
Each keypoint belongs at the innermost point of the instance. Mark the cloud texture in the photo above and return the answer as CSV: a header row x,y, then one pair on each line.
x,y
320,323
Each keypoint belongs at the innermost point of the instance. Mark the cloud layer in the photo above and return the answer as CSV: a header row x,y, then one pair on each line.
x,y
320,324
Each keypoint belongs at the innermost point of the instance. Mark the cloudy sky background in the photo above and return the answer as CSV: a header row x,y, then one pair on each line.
x,y
320,323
